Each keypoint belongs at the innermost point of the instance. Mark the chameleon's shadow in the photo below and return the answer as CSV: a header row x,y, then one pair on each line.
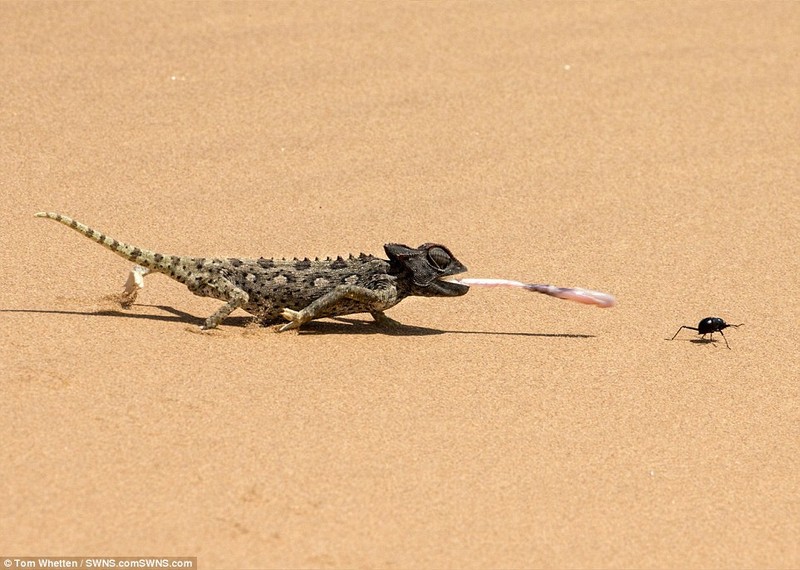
x,y
338,325
342,325
176,317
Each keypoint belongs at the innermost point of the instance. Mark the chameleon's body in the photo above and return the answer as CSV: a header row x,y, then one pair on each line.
x,y
298,290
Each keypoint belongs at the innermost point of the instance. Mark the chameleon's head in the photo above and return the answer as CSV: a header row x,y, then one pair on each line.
x,y
426,269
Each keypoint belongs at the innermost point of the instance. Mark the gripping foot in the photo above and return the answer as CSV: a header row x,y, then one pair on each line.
x,y
133,285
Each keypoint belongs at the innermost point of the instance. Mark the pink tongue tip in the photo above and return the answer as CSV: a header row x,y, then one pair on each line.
x,y
584,296
588,297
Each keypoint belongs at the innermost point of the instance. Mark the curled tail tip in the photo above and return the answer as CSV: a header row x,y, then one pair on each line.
x,y
52,216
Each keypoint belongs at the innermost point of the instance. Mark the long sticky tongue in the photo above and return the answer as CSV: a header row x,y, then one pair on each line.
x,y
585,296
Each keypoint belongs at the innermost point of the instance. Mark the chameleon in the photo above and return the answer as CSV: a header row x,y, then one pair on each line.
x,y
296,290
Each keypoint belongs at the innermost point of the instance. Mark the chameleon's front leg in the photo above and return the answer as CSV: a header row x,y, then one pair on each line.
x,y
378,298
383,321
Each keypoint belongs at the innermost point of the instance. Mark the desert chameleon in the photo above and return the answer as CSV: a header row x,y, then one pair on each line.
x,y
297,290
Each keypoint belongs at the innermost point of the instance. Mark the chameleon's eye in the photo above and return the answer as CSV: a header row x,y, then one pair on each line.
x,y
439,258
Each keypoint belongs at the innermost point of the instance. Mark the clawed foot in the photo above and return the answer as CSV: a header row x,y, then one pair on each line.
x,y
383,321
296,319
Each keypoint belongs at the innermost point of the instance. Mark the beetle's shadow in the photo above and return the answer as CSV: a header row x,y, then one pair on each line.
x,y
338,325
713,341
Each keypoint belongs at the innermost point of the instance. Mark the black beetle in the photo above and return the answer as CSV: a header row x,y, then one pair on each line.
x,y
709,325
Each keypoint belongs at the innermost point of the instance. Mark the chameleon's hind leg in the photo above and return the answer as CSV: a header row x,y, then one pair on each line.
x,y
221,288
377,298
133,285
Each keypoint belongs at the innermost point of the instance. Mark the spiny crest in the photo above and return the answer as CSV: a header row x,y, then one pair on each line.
x,y
339,263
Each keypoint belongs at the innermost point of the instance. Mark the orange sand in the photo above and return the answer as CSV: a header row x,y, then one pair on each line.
x,y
647,150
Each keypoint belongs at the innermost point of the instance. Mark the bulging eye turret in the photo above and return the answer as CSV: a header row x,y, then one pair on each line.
x,y
439,258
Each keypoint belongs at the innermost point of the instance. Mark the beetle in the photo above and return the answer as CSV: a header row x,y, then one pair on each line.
x,y
709,326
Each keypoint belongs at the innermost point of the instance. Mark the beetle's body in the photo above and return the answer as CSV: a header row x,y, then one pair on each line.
x,y
709,326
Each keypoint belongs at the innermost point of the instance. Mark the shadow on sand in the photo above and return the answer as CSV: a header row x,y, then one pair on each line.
x,y
339,325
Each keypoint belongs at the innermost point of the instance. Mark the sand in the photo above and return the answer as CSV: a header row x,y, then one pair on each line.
x,y
644,149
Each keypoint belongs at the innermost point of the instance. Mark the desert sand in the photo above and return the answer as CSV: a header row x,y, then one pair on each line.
x,y
649,150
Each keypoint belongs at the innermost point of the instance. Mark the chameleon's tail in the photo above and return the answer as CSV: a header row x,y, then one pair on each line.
x,y
146,258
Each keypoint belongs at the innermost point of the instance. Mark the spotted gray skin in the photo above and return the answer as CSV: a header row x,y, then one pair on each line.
x,y
299,290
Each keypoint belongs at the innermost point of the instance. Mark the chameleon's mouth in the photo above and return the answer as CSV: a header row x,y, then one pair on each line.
x,y
448,285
